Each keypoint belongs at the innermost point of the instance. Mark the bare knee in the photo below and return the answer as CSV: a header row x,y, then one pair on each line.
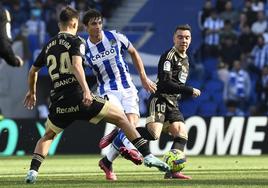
x,y
178,129
155,130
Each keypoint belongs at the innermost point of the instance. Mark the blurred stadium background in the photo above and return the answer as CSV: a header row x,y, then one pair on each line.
x,y
229,58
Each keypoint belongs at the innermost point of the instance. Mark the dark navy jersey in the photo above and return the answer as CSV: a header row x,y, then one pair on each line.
x,y
173,70
57,56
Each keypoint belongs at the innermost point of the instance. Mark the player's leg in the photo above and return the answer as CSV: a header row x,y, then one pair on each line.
x,y
104,110
41,150
106,162
154,120
120,144
178,130
131,108
115,98
118,118
127,100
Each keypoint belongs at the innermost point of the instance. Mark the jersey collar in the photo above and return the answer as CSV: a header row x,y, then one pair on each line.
x,y
180,54
90,44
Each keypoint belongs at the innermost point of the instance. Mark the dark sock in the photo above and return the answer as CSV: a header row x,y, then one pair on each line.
x,y
106,162
145,133
179,143
36,161
142,146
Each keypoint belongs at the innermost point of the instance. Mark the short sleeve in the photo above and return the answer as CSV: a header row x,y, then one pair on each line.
x,y
123,40
40,60
78,48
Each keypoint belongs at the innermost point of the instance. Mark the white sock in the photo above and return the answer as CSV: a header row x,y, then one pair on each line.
x,y
128,144
112,153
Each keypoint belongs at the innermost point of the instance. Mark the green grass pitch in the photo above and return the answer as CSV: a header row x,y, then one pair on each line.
x,y
82,171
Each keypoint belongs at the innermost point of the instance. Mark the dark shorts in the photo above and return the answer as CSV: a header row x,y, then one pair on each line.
x,y
163,109
64,112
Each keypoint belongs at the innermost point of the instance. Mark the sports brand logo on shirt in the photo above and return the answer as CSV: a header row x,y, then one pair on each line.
x,y
105,55
167,66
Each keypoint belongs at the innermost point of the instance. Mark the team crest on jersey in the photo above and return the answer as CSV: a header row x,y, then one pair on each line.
x,y
167,66
112,42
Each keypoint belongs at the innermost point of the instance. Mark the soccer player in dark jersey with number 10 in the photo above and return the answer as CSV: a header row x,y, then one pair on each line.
x,y
164,114
70,96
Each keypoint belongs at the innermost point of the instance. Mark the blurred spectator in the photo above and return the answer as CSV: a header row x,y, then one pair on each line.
x,y
220,5
251,15
260,25
259,55
19,17
257,5
36,26
204,13
238,86
81,6
212,27
246,40
243,21
262,89
232,109
229,52
22,36
227,32
52,24
230,13
223,72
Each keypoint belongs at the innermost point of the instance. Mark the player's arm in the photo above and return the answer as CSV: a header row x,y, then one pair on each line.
x,y
30,98
137,61
166,83
79,73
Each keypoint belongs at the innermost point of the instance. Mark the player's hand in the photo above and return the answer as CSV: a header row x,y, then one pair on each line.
x,y
149,85
196,92
29,100
87,98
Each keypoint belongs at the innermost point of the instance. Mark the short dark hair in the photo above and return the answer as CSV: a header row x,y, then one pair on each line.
x,y
67,14
183,27
91,13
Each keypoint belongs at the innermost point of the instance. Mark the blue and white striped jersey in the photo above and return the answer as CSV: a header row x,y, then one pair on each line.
x,y
106,60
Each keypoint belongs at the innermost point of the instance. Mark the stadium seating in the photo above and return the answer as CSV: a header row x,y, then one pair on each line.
x,y
188,107
213,86
207,109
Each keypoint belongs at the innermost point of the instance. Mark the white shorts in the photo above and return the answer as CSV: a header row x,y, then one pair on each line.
x,y
125,99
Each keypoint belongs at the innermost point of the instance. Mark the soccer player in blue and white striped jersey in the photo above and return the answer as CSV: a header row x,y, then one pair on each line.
x,y
104,54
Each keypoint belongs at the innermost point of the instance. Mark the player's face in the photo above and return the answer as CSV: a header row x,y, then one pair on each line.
x,y
94,27
182,40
